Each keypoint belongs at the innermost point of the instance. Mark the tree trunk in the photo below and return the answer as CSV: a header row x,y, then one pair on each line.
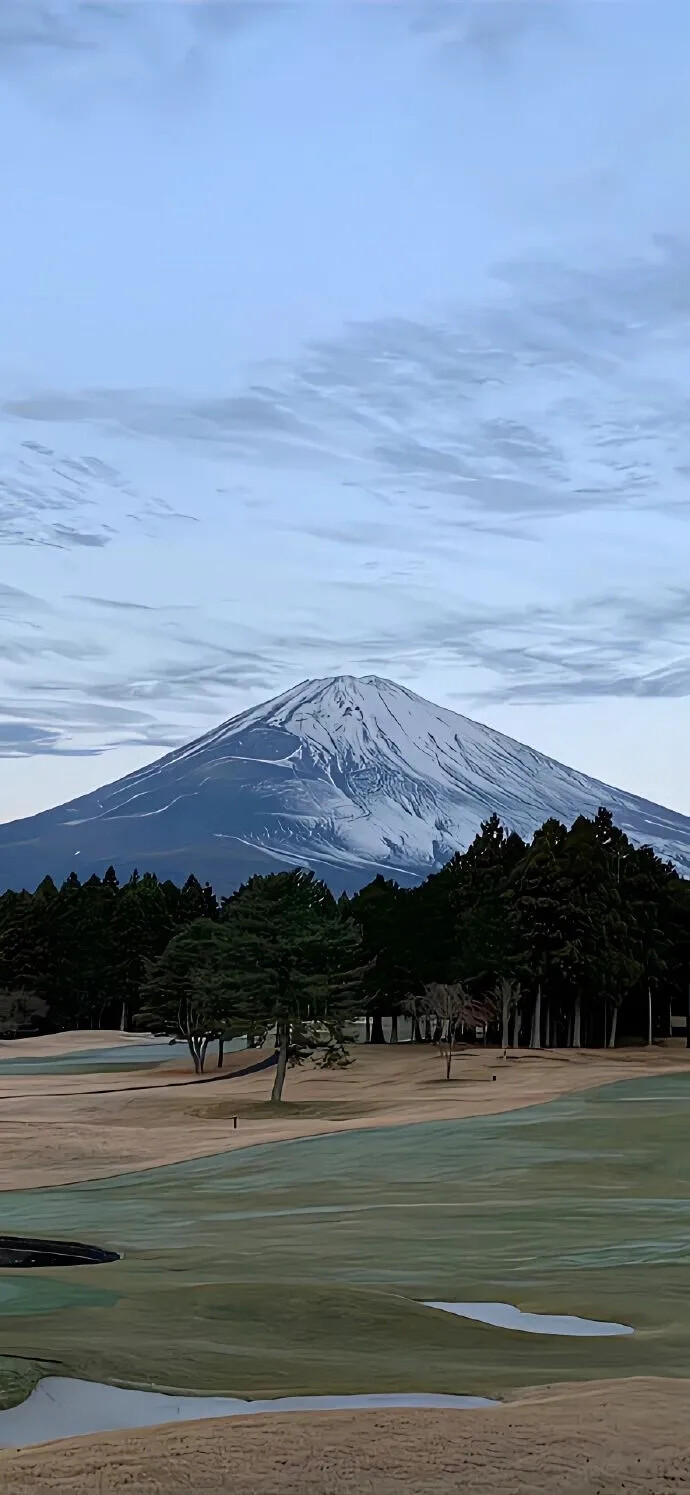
x,y
416,1031
670,1021
193,1043
547,1039
516,1028
377,1033
650,1016
535,1038
450,1044
505,1022
202,1054
614,1025
367,1029
577,1023
427,1030
281,1068
438,1032
124,1025
394,1028
221,1047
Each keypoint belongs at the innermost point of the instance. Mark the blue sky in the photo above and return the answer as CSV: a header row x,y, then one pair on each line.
x,y
343,337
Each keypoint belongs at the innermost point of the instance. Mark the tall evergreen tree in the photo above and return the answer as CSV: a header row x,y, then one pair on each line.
x,y
379,911
184,990
296,964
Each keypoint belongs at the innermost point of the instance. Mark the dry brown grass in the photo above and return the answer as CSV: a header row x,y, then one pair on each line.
x,y
67,1128
76,1041
626,1436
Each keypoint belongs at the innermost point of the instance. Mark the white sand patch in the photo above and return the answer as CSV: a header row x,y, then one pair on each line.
x,y
506,1316
64,1408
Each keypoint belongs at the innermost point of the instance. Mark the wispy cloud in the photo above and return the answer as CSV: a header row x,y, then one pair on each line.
x,y
49,46
563,392
489,29
394,452
57,497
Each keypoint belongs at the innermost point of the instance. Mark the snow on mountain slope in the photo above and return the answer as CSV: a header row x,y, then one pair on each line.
x,y
349,776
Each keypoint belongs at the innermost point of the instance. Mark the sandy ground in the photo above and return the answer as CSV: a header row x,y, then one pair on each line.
x,y
71,1127
78,1041
605,1437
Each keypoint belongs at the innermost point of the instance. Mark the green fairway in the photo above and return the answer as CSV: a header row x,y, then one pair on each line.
x,y
298,1267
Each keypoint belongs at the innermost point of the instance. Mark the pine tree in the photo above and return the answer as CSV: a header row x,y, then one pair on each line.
x,y
296,963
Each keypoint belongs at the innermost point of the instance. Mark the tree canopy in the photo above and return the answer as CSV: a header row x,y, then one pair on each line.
x,y
283,959
577,937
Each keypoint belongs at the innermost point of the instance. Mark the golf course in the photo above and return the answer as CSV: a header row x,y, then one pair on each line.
x,y
265,1252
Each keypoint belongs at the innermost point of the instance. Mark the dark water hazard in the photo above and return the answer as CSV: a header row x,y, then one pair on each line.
x,y
28,1251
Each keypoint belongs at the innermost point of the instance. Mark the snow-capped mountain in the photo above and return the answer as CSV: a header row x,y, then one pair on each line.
x,y
348,776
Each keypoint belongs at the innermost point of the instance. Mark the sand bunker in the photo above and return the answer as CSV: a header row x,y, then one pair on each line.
x,y
29,1251
64,1408
624,1438
49,1045
507,1316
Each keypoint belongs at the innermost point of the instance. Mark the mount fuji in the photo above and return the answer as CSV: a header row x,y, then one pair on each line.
x,y
348,776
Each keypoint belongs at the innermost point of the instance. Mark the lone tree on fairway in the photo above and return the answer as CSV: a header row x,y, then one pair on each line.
x,y
293,962
282,957
453,1008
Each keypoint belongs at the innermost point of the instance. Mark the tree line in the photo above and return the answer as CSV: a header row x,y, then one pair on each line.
x,y
575,938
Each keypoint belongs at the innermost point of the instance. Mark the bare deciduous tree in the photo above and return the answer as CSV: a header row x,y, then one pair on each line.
x,y
453,1008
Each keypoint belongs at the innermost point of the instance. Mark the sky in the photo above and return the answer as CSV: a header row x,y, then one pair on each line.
x,y
343,338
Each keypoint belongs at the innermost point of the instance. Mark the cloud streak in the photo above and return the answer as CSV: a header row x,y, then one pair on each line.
x,y
122,44
547,408
564,395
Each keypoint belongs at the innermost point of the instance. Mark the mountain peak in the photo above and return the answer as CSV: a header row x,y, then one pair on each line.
x,y
350,775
